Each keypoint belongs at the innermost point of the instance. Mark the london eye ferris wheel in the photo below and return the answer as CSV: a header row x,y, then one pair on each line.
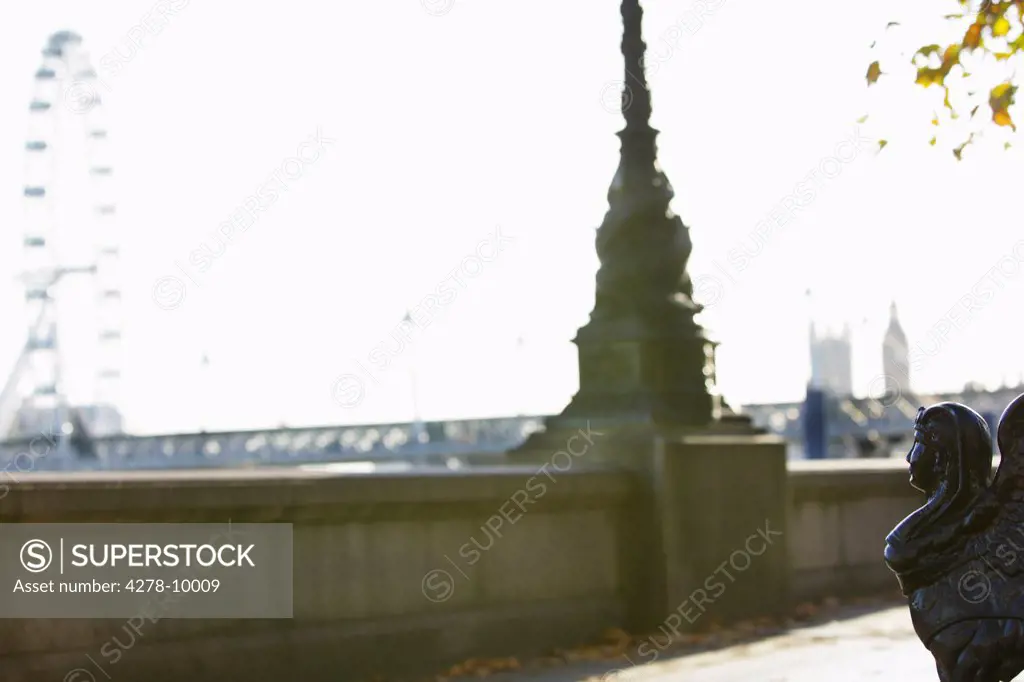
x,y
67,375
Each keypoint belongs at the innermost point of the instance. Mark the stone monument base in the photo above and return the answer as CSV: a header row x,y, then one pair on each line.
x,y
706,541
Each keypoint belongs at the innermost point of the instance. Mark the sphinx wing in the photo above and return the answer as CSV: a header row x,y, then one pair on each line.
x,y
1000,512
1010,437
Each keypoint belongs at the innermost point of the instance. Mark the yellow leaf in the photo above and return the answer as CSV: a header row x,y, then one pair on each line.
x,y
1001,118
1007,145
972,38
881,144
874,71
1000,90
927,51
862,118
935,121
1000,99
932,142
1001,27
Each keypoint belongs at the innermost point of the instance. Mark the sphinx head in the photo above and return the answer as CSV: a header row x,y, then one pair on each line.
x,y
952,451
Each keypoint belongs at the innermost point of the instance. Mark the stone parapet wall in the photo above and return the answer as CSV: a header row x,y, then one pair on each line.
x,y
401,573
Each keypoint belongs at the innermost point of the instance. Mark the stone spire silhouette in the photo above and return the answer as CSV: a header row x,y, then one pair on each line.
x,y
895,356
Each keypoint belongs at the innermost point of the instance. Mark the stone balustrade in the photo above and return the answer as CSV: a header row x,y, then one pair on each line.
x,y
839,514
405,572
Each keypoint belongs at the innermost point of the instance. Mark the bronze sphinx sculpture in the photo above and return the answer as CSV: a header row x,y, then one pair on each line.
x,y
960,557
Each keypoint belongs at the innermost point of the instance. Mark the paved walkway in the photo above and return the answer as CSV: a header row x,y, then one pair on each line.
x,y
877,645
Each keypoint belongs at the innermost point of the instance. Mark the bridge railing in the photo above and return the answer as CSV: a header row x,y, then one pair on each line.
x,y
885,417
430,441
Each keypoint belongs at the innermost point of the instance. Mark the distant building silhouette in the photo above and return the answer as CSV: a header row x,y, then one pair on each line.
x,y
895,356
832,361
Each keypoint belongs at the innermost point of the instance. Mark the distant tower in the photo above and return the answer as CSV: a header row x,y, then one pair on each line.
x,y
831,360
895,356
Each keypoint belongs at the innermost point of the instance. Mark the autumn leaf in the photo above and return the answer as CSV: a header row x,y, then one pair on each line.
x,y
1003,90
874,71
1000,99
881,144
934,63
1007,145
932,141
972,39
927,77
1001,118
862,118
950,57
616,644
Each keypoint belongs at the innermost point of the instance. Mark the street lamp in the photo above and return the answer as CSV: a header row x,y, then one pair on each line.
x,y
642,355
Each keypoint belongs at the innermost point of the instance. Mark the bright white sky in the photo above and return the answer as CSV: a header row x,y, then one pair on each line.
x,y
491,114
